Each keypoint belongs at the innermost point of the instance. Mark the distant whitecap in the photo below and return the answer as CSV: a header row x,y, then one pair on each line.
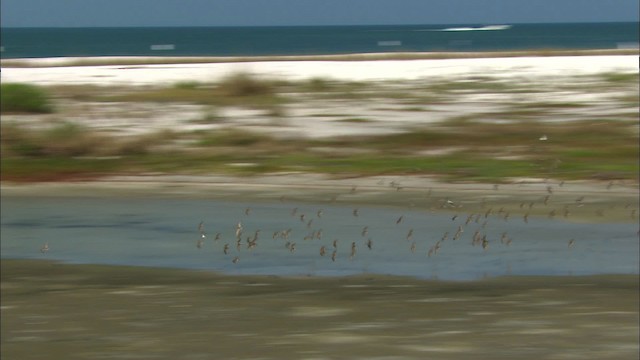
x,y
390,43
161,47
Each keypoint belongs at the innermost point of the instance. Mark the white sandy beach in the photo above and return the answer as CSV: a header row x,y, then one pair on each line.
x,y
374,70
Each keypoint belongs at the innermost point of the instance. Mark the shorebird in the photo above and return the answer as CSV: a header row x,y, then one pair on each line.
x,y
335,243
323,251
466,222
200,243
226,249
369,243
201,227
485,243
365,231
353,250
434,249
235,260
294,211
399,219
413,247
333,255
320,213
44,248
355,212
431,251
239,229
410,234
459,232
475,239
571,243
526,218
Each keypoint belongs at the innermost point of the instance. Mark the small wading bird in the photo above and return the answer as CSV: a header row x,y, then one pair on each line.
x,y
410,234
365,231
571,243
44,248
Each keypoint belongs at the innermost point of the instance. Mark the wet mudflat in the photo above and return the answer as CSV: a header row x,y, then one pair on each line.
x,y
53,310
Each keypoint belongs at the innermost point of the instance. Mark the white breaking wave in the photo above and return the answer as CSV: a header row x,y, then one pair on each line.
x,y
480,28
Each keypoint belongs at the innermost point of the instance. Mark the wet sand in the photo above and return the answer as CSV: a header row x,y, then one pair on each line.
x,y
51,310
587,201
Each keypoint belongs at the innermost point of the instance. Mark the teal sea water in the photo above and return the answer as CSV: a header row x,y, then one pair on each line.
x,y
311,40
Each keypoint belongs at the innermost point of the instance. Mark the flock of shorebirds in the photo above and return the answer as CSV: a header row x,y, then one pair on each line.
x,y
249,240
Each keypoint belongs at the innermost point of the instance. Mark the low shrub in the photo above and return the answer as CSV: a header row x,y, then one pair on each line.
x,y
243,84
24,98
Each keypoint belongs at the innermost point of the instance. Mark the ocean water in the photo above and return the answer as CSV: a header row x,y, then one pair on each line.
x,y
311,40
